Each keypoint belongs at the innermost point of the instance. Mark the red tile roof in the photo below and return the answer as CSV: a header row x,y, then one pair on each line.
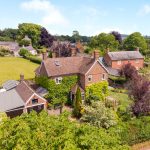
x,y
24,91
125,55
65,66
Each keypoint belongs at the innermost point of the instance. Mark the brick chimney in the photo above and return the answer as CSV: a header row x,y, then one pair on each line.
x,y
53,55
137,49
44,55
21,77
73,51
96,54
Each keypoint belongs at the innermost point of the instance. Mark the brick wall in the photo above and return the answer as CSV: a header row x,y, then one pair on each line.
x,y
139,63
40,101
96,72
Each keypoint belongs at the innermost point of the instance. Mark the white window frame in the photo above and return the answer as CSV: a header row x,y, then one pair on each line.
x,y
103,76
137,61
58,80
89,78
119,62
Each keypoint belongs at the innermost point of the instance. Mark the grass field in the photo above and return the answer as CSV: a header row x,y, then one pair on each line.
x,y
11,68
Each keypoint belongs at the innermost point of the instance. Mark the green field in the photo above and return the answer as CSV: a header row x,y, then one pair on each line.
x,y
11,68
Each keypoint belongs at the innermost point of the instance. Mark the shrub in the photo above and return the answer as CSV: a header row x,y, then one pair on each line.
x,y
24,52
34,59
100,116
77,104
97,91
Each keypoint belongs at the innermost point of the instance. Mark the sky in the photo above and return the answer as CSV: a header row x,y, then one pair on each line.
x,y
89,17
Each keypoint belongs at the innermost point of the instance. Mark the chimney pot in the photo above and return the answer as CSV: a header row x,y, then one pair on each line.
x,y
96,54
21,77
44,55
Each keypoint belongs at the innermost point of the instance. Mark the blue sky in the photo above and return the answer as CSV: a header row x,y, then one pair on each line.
x,y
89,17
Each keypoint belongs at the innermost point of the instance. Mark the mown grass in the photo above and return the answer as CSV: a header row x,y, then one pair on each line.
x,y
12,67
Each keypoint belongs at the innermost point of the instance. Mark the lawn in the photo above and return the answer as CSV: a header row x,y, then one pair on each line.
x,y
12,67
122,98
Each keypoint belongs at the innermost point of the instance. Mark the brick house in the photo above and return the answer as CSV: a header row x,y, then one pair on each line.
x,y
20,99
89,69
116,60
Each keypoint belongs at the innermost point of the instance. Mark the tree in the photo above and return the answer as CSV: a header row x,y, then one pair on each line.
x,y
9,33
46,39
135,40
104,41
24,42
75,36
33,31
117,36
98,115
77,104
140,92
42,131
128,71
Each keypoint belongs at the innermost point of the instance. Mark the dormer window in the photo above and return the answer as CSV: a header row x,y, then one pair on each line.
x,y
57,63
58,80
89,78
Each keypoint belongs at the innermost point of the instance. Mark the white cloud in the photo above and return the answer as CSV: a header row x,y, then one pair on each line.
x,y
51,15
145,10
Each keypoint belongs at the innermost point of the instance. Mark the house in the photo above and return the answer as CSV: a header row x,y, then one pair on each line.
x,y
89,69
30,49
18,98
66,48
11,46
116,60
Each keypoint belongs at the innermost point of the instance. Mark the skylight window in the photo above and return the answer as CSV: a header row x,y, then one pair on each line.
x,y
57,63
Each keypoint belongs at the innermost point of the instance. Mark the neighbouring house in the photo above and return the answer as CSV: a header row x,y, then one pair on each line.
x,y
89,70
19,97
11,46
66,48
30,49
114,61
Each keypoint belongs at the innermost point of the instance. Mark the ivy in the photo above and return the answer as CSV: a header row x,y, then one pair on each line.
x,y
58,93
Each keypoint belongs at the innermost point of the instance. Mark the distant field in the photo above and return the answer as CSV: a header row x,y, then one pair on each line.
x,y
11,68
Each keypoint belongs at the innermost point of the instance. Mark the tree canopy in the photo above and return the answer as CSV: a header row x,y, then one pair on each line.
x,y
46,39
135,40
33,31
104,41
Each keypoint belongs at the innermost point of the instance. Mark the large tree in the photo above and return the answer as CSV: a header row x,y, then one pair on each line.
x,y
46,39
117,36
33,31
135,40
104,41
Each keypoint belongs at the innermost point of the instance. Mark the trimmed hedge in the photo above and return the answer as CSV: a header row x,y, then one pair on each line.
x,y
34,59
